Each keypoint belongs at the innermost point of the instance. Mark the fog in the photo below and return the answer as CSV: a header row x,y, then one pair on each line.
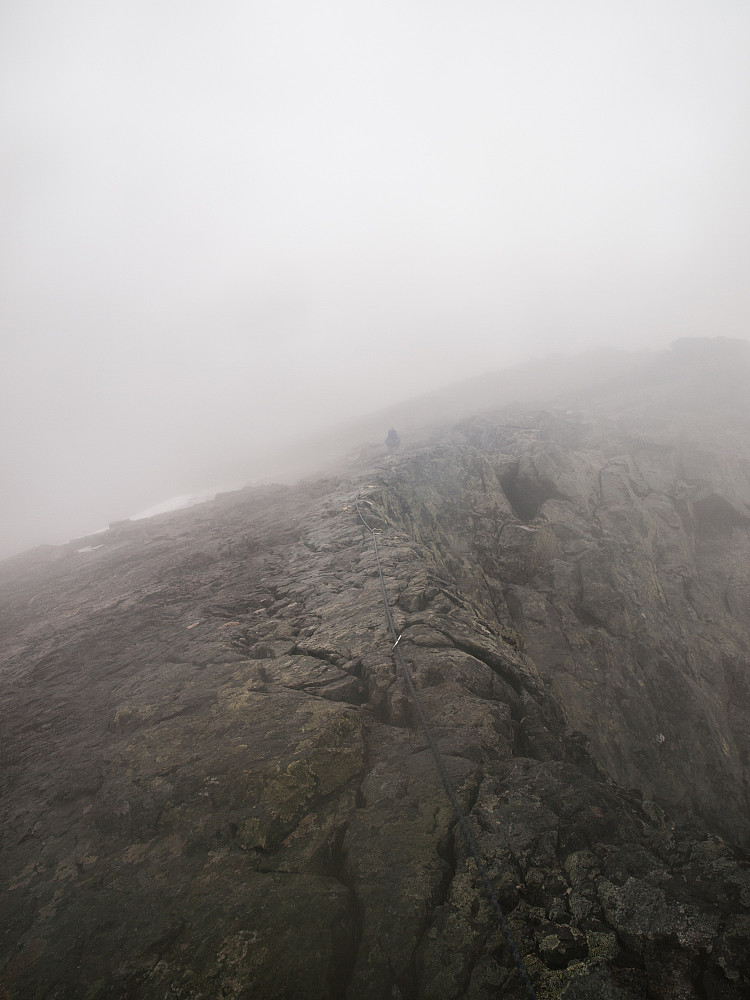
x,y
226,226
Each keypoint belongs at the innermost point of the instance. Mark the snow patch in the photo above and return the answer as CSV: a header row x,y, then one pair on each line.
x,y
175,503
90,548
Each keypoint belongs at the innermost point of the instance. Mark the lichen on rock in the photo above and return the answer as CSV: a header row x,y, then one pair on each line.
x,y
216,784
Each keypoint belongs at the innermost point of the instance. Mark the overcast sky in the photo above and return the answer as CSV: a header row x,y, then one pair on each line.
x,y
224,224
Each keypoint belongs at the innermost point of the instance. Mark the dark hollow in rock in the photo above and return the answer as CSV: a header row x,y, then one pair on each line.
x,y
214,782
526,495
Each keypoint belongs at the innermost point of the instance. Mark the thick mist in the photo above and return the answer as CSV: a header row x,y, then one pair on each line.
x,y
227,227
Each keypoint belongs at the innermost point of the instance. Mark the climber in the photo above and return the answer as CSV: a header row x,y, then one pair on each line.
x,y
393,441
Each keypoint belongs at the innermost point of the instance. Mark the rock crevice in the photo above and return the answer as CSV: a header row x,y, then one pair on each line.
x,y
213,779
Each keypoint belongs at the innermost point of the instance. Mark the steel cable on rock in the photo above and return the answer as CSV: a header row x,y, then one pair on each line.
x,y
447,784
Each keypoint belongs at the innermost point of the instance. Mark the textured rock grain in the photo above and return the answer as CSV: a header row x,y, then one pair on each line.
x,y
214,785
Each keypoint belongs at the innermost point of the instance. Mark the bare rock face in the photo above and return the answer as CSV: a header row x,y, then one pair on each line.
x,y
214,784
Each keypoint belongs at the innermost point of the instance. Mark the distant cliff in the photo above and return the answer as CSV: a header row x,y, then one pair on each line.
x,y
214,783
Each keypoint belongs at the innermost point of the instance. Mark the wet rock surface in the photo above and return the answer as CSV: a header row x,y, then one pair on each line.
x,y
214,784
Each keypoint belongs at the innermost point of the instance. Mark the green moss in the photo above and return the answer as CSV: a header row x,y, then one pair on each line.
x,y
287,794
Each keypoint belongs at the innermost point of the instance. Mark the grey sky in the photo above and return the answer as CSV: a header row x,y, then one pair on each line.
x,y
226,224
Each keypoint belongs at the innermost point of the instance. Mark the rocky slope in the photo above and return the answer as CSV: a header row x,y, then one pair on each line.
x,y
213,782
